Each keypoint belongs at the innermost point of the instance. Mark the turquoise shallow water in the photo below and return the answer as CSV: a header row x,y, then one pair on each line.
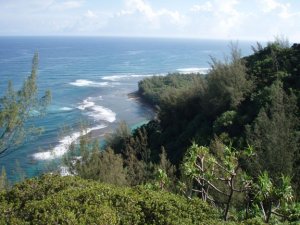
x,y
89,79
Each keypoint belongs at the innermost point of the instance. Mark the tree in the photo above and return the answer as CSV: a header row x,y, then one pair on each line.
x,y
273,133
165,172
165,164
117,139
271,197
137,158
137,171
17,107
4,183
228,83
214,176
94,163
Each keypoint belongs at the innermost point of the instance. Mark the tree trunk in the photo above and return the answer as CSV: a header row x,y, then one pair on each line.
x,y
263,210
269,212
229,199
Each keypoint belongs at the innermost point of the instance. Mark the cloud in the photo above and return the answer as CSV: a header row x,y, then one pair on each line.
x,y
270,5
218,18
42,5
230,19
217,7
90,14
153,17
282,10
206,7
36,17
65,5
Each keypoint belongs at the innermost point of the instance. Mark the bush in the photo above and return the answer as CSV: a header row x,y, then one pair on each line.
x,y
52,199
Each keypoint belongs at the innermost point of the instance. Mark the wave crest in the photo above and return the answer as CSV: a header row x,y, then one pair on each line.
x,y
97,112
89,83
64,144
129,76
65,109
201,70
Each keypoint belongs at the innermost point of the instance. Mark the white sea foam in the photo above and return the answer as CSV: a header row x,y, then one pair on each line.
x,y
193,70
88,83
149,75
97,112
129,76
116,77
86,104
95,98
64,144
59,109
101,113
64,171
65,109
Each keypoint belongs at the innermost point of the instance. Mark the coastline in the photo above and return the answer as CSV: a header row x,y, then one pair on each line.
x,y
136,96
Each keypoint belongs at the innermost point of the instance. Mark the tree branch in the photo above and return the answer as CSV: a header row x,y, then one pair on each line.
x,y
213,186
263,211
222,167
240,190
277,214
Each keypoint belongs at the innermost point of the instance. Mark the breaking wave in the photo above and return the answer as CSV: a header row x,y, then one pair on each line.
x,y
65,109
201,70
89,83
129,76
64,144
97,112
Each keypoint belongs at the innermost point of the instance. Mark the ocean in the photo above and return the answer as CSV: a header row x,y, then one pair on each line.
x,y
90,79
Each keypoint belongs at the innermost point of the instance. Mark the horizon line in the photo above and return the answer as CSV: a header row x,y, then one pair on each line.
x,y
139,36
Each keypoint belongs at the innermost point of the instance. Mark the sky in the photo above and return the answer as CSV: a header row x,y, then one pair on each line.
x,y
207,19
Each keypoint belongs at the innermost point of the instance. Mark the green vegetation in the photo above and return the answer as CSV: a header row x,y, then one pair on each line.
x,y
224,148
218,174
4,184
158,89
242,101
17,107
103,166
71,200
243,120
131,166
220,180
253,100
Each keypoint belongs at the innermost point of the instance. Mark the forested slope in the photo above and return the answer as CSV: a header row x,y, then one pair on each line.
x,y
223,146
253,100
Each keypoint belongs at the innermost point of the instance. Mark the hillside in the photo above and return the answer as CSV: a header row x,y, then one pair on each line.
x,y
224,148
252,100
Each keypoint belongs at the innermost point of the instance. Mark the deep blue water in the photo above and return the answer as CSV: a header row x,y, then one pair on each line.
x,y
89,78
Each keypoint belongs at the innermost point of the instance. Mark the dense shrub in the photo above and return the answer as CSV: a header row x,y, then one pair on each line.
x,y
167,88
52,199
